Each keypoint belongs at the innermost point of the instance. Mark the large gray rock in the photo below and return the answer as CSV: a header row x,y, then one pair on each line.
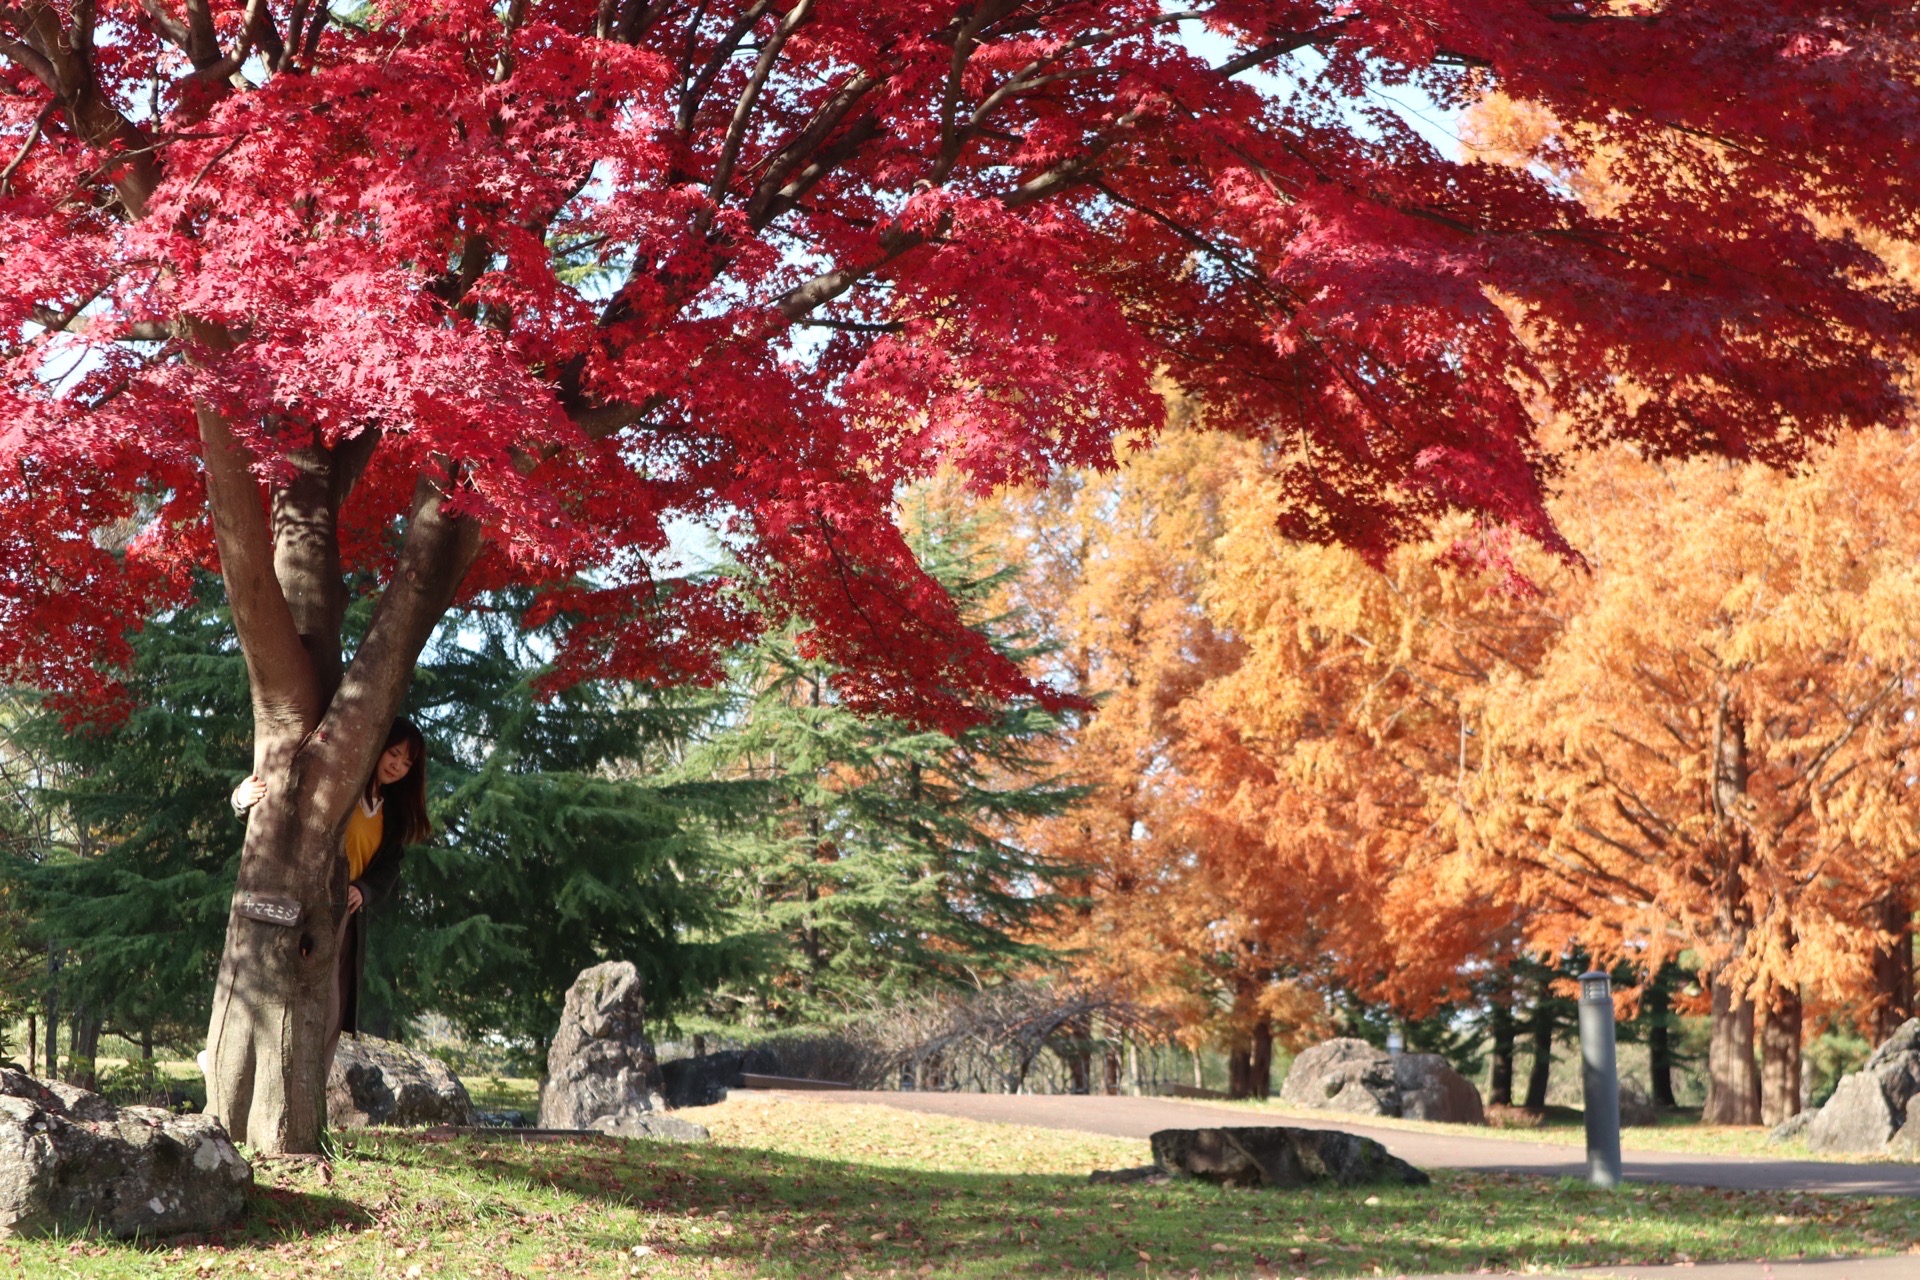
x,y
1275,1156
601,1072
72,1162
1870,1107
1343,1075
1354,1077
1430,1089
379,1082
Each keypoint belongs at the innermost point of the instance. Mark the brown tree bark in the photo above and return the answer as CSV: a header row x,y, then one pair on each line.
x,y
317,732
1733,1081
81,1059
1500,1081
1780,1056
1656,1007
1260,1061
1893,966
1542,1037
1240,1067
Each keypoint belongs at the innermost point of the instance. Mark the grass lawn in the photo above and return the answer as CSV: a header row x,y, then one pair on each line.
x,y
800,1189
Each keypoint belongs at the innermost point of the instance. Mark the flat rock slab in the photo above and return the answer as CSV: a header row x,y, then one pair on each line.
x,y
73,1163
1279,1156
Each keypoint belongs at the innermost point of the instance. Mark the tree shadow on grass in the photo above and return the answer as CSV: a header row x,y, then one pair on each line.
x,y
770,1212
493,1208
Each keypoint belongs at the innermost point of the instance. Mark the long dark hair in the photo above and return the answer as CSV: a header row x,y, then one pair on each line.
x,y
406,798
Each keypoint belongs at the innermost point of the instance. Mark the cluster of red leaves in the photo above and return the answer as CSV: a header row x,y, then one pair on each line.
x,y
595,269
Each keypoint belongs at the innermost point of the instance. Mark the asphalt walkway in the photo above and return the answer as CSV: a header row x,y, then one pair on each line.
x,y
1139,1117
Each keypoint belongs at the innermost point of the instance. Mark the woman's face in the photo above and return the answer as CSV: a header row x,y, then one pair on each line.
x,y
394,763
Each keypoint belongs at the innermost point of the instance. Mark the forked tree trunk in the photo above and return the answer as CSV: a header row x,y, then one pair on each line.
x,y
1780,1056
1733,1082
318,729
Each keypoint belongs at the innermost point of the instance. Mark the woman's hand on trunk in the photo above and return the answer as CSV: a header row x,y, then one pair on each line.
x,y
248,793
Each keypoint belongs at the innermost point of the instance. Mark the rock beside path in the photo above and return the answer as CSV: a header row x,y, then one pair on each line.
x,y
601,1072
704,1081
1430,1089
380,1082
71,1163
1354,1077
1870,1109
1276,1156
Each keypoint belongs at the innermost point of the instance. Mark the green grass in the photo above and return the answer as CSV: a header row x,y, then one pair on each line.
x,y
795,1190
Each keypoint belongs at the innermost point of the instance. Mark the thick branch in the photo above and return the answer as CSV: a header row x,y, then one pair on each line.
x,y
306,560
743,110
438,551
278,668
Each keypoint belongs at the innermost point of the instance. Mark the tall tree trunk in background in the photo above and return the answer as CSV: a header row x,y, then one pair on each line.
x,y
1893,966
50,1013
1780,1056
1500,1024
1239,1069
1656,1007
1260,1060
33,1042
81,1069
1733,1081
1541,1034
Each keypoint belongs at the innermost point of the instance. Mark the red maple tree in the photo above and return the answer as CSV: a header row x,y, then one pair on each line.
x,y
450,294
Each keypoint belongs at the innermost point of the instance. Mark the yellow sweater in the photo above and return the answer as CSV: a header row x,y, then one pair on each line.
x,y
364,830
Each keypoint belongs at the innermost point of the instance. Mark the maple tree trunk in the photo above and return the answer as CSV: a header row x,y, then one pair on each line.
x,y
1893,966
1500,1081
1542,1051
318,729
272,1025
1733,1083
1780,1056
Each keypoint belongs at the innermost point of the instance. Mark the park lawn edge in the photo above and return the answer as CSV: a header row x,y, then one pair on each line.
x,y
792,1190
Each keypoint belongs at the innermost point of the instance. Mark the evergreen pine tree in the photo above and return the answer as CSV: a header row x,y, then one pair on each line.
x,y
886,861
554,852
132,898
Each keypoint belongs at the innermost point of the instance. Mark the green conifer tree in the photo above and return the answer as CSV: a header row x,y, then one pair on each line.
x,y
886,861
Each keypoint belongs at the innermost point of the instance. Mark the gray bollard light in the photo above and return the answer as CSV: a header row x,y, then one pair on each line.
x,y
1600,1079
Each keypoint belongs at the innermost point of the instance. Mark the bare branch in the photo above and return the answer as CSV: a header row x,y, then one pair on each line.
x,y
26,148
743,110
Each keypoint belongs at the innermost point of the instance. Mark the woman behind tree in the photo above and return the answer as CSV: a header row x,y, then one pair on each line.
x,y
390,815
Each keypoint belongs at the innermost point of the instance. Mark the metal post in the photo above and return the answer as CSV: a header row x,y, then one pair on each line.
x,y
1600,1079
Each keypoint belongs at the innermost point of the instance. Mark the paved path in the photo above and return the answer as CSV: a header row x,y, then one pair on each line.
x,y
1138,1117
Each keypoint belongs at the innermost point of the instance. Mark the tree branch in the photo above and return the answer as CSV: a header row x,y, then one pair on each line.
x,y
278,667
434,559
